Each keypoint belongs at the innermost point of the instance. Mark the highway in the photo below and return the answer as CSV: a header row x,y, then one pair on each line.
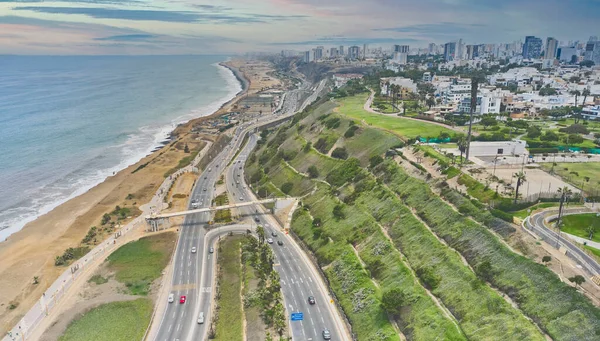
x,y
179,320
298,279
536,224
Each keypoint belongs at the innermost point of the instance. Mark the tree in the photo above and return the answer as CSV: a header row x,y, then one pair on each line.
x,y
549,136
307,147
316,222
565,193
488,121
375,160
462,146
260,231
186,149
586,63
585,94
340,153
534,132
578,280
338,212
520,180
287,187
546,259
313,172
575,93
430,101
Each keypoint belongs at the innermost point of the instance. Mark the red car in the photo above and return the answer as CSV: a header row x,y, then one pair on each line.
x,y
182,299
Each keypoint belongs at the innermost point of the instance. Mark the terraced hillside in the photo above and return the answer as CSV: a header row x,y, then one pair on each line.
x,y
403,262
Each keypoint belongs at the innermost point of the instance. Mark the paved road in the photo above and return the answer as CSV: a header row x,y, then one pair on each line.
x,y
179,321
536,224
298,281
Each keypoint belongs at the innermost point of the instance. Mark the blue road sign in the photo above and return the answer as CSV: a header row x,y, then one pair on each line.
x,y
297,316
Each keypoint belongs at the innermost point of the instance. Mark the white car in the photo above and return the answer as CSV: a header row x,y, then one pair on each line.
x,y
270,240
171,298
194,249
241,199
201,318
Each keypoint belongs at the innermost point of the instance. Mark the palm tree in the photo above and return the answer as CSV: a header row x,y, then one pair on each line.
x,y
585,93
387,88
462,146
565,193
520,180
260,231
576,93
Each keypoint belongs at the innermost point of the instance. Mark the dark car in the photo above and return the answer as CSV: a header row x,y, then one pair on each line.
x,y
257,220
311,300
274,234
279,242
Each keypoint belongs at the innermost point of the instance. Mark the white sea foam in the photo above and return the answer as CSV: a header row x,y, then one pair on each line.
x,y
43,200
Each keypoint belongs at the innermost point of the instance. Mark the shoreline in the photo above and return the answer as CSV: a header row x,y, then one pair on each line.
x,y
163,138
31,251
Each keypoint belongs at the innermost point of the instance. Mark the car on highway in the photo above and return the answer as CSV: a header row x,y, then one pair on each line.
x,y
240,167
211,250
201,318
204,189
311,300
195,203
171,298
241,199
270,240
274,234
326,334
194,249
182,299
257,220
280,242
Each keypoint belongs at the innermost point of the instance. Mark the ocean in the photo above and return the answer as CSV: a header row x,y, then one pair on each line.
x,y
68,122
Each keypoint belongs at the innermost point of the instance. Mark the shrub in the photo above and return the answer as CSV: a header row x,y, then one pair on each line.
x,y
375,160
340,153
575,129
338,212
287,187
351,131
313,172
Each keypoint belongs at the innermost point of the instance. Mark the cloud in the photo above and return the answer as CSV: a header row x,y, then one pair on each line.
x,y
96,2
444,28
128,37
348,41
156,15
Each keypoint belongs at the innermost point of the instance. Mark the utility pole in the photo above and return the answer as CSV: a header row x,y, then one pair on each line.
x,y
474,84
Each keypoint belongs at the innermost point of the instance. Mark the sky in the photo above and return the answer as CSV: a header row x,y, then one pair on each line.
x,y
236,26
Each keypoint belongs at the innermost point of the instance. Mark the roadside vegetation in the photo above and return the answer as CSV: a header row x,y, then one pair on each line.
x,y
581,175
116,321
137,264
395,253
228,312
222,216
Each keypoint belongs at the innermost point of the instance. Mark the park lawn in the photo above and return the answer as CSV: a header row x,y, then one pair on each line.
x,y
229,325
578,225
583,170
353,108
595,252
448,145
137,264
116,321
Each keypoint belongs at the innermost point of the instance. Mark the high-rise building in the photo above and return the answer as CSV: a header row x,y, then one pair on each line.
x,y
365,50
474,51
592,51
400,58
532,48
459,50
318,53
432,48
307,57
449,51
401,48
567,54
333,52
551,48
354,52
341,50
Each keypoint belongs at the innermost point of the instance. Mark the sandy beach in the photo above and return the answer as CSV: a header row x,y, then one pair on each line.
x,y
32,251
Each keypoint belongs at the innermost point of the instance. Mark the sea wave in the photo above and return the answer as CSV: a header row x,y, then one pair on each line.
x,y
44,199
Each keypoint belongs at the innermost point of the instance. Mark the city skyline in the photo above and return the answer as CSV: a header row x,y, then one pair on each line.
x,y
181,26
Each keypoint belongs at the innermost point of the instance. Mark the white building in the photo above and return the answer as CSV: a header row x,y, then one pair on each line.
x,y
458,90
485,105
591,113
480,148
